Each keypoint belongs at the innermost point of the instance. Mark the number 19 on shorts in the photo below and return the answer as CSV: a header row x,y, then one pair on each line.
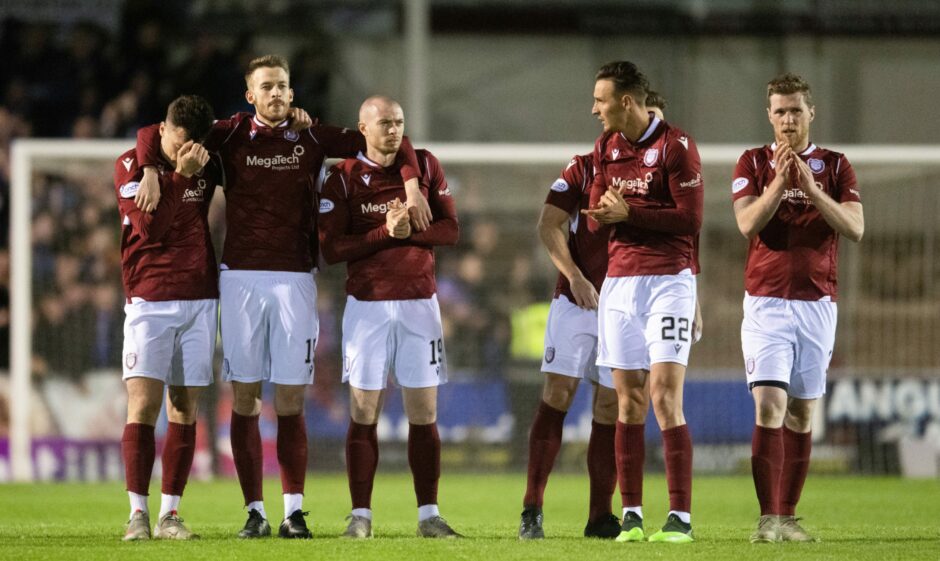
x,y
437,351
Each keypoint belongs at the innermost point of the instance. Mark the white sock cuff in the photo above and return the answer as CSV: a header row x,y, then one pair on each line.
x,y
363,512
636,509
292,502
427,511
259,506
138,502
169,503
683,516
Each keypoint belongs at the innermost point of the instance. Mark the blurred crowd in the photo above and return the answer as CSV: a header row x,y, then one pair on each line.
x,y
83,81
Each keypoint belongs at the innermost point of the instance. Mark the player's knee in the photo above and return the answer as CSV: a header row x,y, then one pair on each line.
x,y
182,407
424,416
558,394
143,409
289,402
798,419
667,405
769,414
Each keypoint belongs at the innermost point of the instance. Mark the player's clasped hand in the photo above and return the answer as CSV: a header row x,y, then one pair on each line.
x,y
418,208
783,158
148,194
612,208
397,220
190,158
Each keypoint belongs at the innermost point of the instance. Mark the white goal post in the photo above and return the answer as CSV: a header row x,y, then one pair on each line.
x,y
25,153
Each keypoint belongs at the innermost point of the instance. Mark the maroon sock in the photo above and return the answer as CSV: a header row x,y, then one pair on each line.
x,y
602,469
292,452
544,443
424,457
766,464
362,459
139,450
677,451
630,452
178,451
248,456
796,451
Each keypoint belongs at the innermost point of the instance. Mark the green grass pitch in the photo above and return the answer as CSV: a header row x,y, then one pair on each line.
x,y
855,518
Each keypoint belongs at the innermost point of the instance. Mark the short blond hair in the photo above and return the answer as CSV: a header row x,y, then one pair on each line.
x,y
266,61
788,84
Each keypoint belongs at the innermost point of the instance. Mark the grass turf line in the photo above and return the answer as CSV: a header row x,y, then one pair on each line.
x,y
855,518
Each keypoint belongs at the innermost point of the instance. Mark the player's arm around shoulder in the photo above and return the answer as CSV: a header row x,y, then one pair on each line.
x,y
333,211
444,228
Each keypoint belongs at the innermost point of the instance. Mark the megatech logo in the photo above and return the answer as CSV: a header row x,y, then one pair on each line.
x,y
372,207
631,185
277,162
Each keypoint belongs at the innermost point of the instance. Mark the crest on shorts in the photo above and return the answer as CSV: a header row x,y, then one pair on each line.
x,y
549,354
291,135
650,157
130,360
226,368
749,365
816,165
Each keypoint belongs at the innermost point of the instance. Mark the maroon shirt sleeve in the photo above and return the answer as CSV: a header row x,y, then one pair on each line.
x,y
684,170
336,242
443,229
599,183
148,139
148,145
847,184
151,227
565,193
346,143
744,183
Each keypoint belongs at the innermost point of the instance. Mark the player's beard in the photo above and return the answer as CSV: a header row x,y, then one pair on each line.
x,y
276,112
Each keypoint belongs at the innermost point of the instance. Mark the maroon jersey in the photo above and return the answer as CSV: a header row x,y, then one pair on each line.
x,y
795,255
352,228
270,177
167,255
572,193
660,177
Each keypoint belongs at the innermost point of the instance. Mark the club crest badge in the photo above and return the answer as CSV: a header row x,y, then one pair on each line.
x,y
549,354
749,365
650,157
130,360
291,135
226,368
816,165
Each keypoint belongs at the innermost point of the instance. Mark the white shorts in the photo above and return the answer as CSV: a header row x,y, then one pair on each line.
x,y
171,341
571,343
645,320
269,326
404,337
788,343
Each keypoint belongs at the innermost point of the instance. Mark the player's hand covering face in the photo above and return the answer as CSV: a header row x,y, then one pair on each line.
x,y
270,92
